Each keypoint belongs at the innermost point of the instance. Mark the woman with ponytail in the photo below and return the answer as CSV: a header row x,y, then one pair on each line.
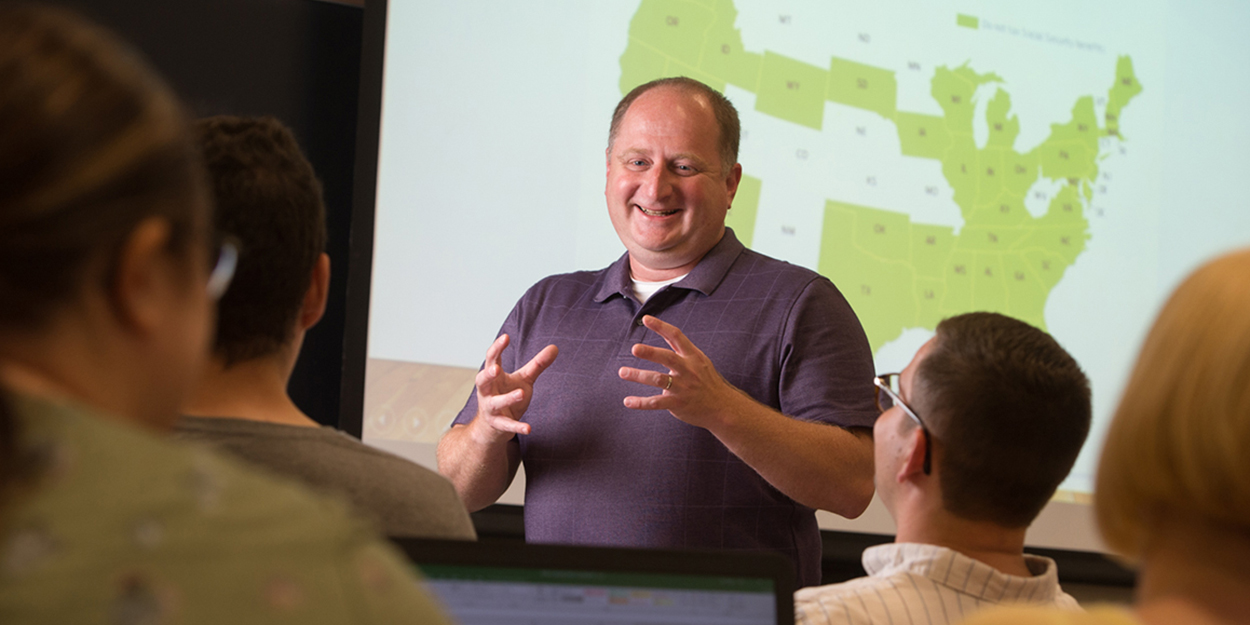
x,y
108,275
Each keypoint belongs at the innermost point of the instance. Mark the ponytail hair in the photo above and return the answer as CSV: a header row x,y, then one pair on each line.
x,y
91,143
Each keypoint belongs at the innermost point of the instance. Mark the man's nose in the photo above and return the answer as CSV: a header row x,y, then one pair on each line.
x,y
657,183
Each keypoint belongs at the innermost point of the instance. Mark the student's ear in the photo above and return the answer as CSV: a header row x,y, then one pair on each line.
x,y
143,277
318,292
913,459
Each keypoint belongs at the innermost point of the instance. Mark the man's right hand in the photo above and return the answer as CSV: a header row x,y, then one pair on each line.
x,y
481,458
502,398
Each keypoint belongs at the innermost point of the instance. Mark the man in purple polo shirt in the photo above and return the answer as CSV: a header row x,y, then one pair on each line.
x,y
759,406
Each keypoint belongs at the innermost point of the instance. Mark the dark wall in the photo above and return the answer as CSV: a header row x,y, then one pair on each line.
x,y
298,60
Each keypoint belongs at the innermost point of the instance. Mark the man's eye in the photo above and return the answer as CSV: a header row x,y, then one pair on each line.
x,y
637,162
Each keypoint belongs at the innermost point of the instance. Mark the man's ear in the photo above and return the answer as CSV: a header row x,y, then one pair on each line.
x,y
140,289
731,183
913,460
318,292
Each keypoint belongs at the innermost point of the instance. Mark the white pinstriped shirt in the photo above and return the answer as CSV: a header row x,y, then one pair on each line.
x,y
912,583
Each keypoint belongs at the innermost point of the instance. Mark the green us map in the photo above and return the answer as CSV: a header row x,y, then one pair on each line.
x,y
1023,213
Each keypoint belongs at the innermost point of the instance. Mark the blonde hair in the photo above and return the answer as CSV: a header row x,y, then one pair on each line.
x,y
1179,444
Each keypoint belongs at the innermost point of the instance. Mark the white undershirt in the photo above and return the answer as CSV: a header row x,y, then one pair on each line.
x,y
644,290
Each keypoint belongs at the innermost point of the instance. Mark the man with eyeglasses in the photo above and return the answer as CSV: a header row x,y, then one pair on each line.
x,y
974,437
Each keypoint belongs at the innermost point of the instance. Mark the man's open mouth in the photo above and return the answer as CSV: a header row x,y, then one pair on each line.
x,y
658,213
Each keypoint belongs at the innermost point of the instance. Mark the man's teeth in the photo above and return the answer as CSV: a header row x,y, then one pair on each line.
x,y
658,213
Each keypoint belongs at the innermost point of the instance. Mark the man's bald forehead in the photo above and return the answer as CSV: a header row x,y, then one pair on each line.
x,y
726,116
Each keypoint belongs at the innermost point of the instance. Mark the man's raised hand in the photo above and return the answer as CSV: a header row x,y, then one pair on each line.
x,y
692,390
502,398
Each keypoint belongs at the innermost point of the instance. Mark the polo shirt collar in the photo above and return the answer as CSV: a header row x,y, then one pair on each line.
x,y
704,278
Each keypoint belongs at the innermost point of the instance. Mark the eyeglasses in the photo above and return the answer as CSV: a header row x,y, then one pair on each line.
x,y
887,396
223,268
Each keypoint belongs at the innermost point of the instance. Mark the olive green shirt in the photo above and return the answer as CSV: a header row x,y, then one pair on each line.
x,y
124,527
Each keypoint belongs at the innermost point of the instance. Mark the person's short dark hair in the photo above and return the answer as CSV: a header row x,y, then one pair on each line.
x,y
722,108
268,197
1011,409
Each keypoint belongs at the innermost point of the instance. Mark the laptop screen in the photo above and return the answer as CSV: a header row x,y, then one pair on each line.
x,y
482,584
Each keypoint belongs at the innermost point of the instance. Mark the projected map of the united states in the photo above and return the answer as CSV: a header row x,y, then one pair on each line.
x,y
1024,213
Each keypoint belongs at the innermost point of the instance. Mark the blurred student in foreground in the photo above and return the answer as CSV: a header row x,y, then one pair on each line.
x,y
1173,486
267,198
973,439
107,283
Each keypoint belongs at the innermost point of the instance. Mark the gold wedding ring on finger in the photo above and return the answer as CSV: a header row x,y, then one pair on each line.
x,y
669,384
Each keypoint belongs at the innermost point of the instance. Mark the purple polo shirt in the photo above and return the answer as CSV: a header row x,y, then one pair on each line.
x,y
599,473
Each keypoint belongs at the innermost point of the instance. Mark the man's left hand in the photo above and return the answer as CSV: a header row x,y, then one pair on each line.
x,y
799,458
692,390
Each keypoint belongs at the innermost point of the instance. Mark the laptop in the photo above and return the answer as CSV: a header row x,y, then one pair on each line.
x,y
516,583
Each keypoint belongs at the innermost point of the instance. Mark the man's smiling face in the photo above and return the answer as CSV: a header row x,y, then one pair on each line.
x,y
667,190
